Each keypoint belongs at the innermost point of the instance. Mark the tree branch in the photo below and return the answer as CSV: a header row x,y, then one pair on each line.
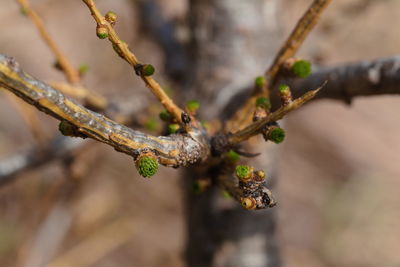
x,y
298,35
304,26
122,49
71,73
366,78
256,127
174,150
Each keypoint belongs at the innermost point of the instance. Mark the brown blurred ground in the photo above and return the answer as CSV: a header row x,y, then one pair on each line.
x,y
338,189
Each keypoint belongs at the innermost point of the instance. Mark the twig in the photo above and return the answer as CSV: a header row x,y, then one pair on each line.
x,y
71,73
126,54
297,37
288,50
256,127
174,150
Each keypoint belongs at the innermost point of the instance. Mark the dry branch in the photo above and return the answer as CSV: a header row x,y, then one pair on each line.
x,y
71,73
288,50
256,127
366,78
174,150
122,49
298,35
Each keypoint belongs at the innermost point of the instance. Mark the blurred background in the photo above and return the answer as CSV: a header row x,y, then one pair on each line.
x,y
339,166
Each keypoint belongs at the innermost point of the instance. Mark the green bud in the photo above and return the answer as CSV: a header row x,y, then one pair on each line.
x,y
232,156
226,194
260,81
193,106
146,166
147,70
173,128
66,128
83,69
23,11
283,88
301,68
102,32
165,116
276,135
111,17
243,172
151,124
264,103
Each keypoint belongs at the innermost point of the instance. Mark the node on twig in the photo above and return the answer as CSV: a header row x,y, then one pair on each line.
x,y
111,17
101,31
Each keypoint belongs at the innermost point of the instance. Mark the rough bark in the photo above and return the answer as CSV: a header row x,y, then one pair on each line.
x,y
367,78
229,48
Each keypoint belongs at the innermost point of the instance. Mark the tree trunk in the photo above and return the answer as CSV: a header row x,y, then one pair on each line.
x,y
233,42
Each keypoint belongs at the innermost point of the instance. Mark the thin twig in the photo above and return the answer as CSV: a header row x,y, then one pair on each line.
x,y
256,127
71,73
297,37
288,50
127,54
